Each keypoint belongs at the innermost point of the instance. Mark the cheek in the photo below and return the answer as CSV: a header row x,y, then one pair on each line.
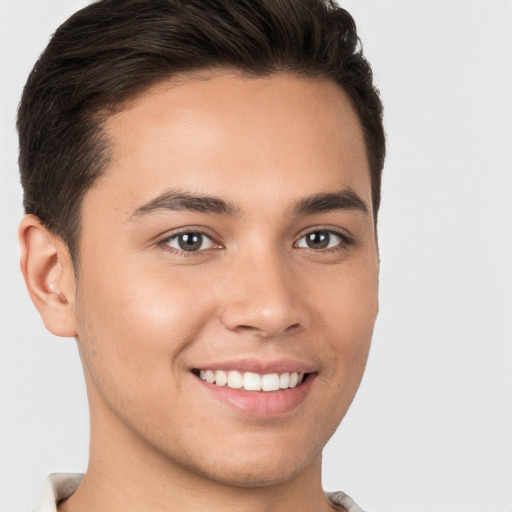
x,y
346,308
134,326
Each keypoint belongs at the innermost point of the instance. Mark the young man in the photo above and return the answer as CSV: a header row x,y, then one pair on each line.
x,y
202,181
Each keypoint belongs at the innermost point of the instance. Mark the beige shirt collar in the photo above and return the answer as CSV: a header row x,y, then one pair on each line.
x,y
57,487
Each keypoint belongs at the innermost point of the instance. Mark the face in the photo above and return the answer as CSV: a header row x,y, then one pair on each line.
x,y
232,239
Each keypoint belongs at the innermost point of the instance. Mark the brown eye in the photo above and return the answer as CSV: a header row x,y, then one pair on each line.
x,y
190,242
321,239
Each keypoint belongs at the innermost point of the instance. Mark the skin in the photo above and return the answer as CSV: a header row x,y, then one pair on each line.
x,y
144,312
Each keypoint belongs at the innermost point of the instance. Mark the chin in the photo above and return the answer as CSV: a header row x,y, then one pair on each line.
x,y
252,474
264,464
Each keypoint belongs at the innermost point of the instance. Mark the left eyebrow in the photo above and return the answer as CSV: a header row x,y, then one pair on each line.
x,y
345,199
179,200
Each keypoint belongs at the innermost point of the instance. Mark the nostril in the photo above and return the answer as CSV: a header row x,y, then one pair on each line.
x,y
266,330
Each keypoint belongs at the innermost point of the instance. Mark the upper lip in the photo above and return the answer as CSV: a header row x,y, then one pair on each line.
x,y
259,366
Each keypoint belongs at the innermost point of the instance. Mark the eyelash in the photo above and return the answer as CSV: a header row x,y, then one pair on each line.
x,y
343,245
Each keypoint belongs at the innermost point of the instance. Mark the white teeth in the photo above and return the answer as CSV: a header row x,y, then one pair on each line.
x,y
270,382
284,380
235,380
221,378
251,381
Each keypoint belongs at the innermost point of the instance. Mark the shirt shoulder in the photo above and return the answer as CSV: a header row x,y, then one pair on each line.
x,y
340,498
57,487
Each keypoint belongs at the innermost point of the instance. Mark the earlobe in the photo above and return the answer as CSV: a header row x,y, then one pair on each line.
x,y
49,276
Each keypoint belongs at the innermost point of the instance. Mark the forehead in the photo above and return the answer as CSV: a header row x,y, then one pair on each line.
x,y
247,138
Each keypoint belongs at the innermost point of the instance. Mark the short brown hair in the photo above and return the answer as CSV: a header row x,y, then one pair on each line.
x,y
113,49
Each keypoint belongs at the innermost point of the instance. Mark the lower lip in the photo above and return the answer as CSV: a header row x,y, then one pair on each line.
x,y
261,403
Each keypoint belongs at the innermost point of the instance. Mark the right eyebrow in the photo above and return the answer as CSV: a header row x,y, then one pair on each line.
x,y
344,199
175,201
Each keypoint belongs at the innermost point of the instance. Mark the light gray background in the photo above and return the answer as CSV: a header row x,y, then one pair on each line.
x,y
431,427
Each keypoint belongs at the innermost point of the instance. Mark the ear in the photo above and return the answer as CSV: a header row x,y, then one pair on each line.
x,y
49,276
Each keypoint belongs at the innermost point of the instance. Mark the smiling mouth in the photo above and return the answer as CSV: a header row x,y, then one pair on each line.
x,y
250,381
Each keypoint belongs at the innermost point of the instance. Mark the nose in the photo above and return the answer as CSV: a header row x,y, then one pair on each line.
x,y
262,296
